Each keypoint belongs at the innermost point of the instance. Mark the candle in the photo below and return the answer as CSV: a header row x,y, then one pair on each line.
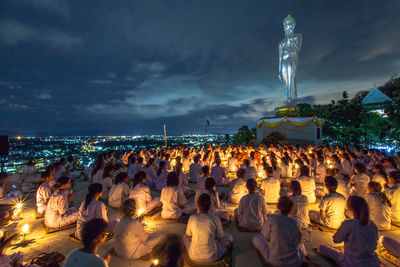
x,y
25,229
140,212
259,174
156,261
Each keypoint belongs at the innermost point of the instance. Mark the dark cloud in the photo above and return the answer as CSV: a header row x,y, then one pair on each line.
x,y
128,67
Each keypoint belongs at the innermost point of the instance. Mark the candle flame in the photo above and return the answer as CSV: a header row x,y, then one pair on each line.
x,y
140,212
18,206
156,262
25,228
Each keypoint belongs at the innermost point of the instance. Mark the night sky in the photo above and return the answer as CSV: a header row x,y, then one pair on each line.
x,y
127,67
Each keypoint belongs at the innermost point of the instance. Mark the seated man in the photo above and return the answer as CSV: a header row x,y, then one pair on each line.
x,y
238,188
252,210
270,187
205,240
332,206
280,241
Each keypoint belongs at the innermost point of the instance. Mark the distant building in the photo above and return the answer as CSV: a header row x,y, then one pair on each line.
x,y
376,98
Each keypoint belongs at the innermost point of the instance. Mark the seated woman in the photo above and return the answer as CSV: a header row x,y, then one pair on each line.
x,y
119,191
379,206
172,198
92,208
131,239
270,187
106,181
161,175
252,211
280,241
218,173
307,183
332,206
43,192
168,252
238,188
301,210
205,240
360,237
183,179
141,194
58,213
94,235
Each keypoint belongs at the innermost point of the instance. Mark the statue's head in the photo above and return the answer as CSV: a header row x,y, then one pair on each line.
x,y
288,24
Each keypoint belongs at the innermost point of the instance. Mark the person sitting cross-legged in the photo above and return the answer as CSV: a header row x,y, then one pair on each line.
x,y
205,240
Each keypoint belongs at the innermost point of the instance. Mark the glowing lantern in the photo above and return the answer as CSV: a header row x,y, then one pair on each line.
x,y
156,262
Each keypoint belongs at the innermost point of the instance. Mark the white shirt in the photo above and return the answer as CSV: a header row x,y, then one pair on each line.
x,y
252,211
161,181
233,164
271,187
194,171
95,209
379,178
300,212
237,190
142,196
117,194
204,229
334,205
42,196
284,241
393,194
77,258
218,173
172,198
308,187
360,182
97,177
106,183
56,207
251,172
321,173
378,211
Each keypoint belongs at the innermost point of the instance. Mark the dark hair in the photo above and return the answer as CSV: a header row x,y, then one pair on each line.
x,y
129,207
172,179
246,162
395,175
360,209
331,183
120,177
108,171
61,181
304,171
285,205
269,171
209,184
376,187
92,229
241,173
204,202
93,190
205,170
218,161
138,177
178,168
196,159
295,187
168,251
161,166
251,184
360,167
99,165
150,162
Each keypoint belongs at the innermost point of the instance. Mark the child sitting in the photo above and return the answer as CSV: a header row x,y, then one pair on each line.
x,y
332,206
131,239
270,187
92,208
58,213
141,194
359,235
172,198
94,235
379,206
238,187
119,191
43,192
205,240
280,241
252,210
301,210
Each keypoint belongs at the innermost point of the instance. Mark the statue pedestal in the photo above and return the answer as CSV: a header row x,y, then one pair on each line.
x,y
299,130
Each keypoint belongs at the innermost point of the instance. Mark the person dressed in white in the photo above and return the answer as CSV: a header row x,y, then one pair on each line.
x,y
161,176
119,190
379,176
379,206
97,172
92,208
183,179
43,192
307,184
238,188
270,187
302,207
132,241
332,206
360,237
218,173
57,213
233,163
393,194
135,167
195,169
172,198
321,170
280,242
359,182
106,181
151,175
252,211
200,181
205,240
251,172
141,194
94,235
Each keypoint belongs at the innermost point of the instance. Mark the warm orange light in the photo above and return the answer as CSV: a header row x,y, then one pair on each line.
x,y
19,137
156,262
25,228
140,212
